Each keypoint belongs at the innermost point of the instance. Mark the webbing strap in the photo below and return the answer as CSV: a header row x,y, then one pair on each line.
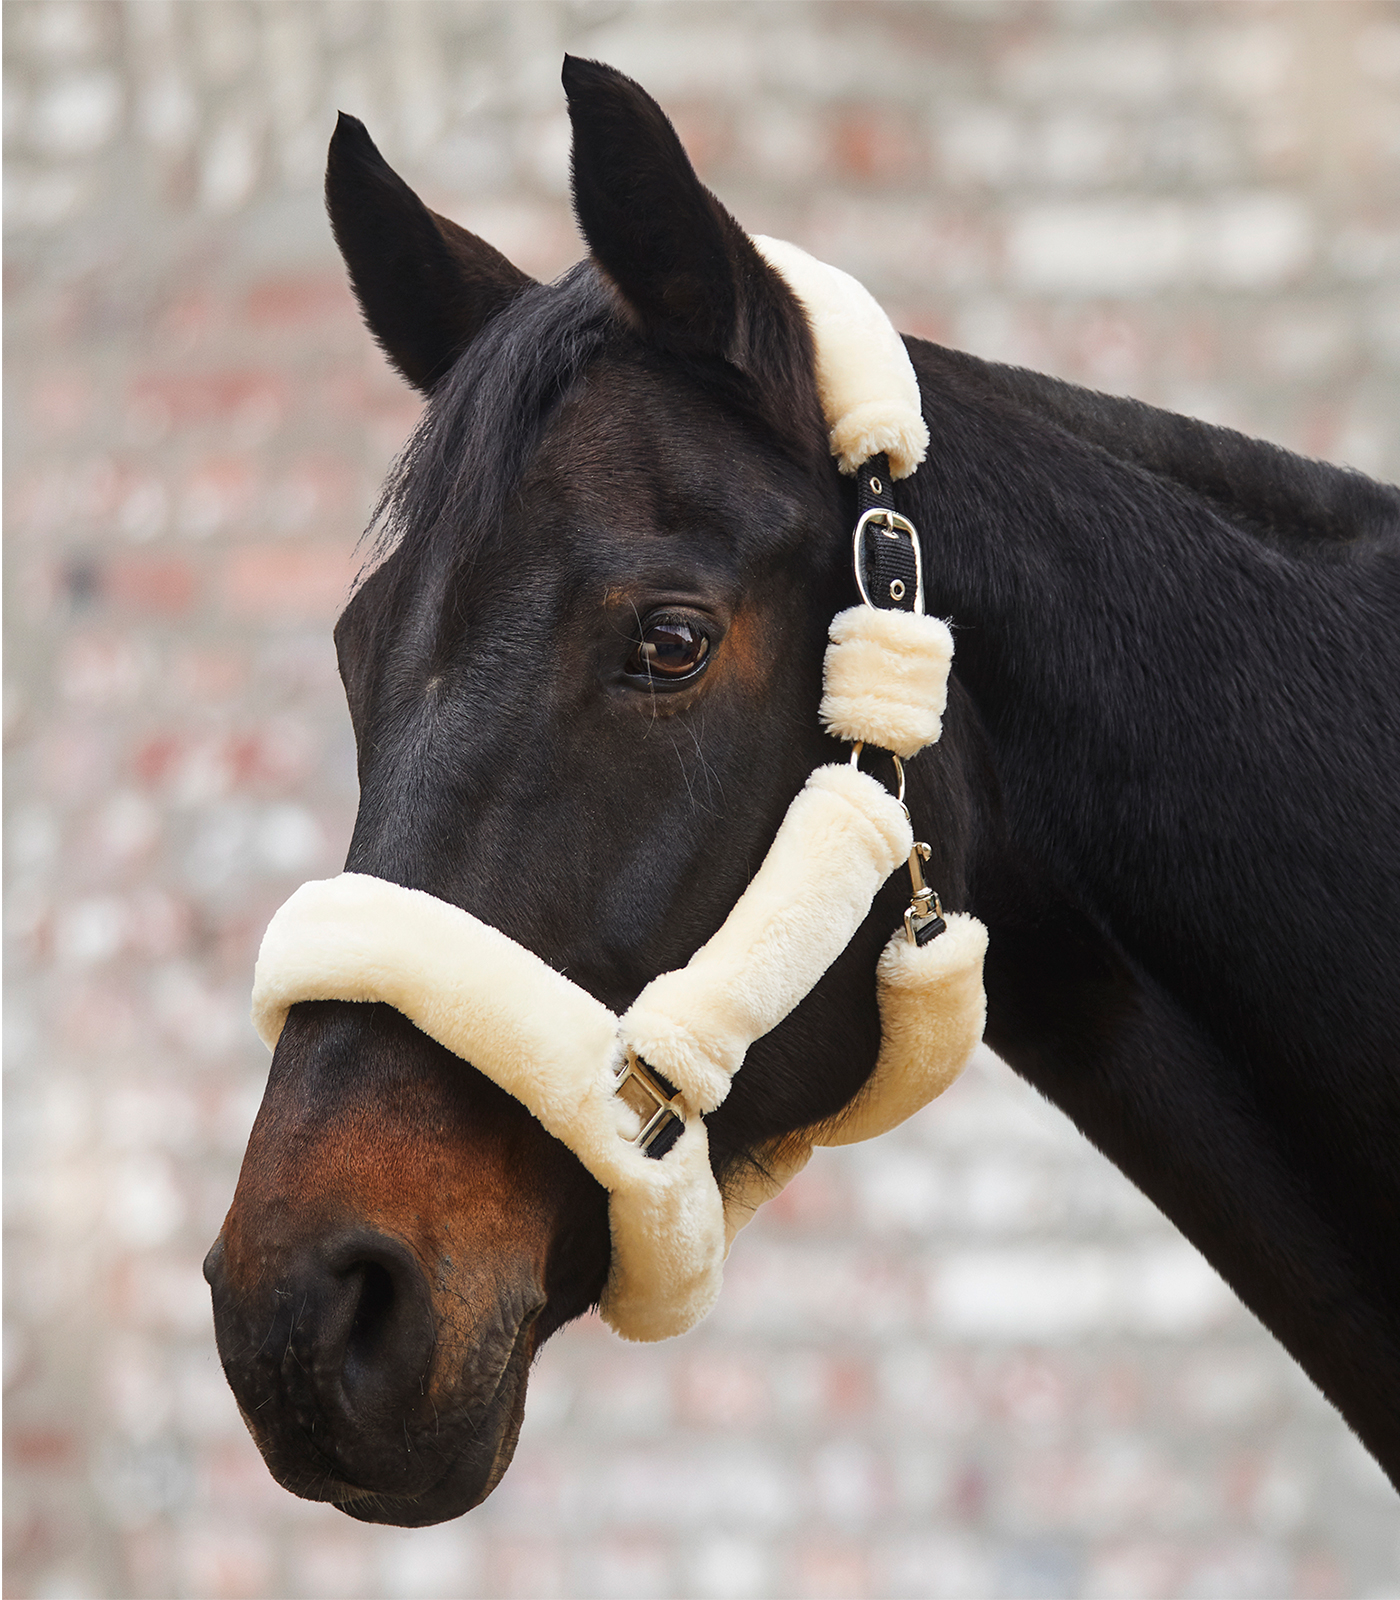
x,y
887,563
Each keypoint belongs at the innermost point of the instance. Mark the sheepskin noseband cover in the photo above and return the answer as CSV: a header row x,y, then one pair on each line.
x,y
555,1048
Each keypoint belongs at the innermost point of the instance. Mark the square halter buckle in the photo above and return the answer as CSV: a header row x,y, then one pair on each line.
x,y
890,525
663,1116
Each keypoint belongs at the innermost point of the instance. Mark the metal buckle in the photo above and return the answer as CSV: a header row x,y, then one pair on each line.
x,y
640,1090
892,525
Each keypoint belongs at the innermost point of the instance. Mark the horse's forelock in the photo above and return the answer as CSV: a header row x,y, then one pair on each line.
x,y
450,486
470,446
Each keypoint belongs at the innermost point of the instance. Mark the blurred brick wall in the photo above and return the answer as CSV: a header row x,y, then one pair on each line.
x,y
968,1360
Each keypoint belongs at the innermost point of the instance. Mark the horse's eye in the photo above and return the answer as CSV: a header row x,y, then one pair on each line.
x,y
671,649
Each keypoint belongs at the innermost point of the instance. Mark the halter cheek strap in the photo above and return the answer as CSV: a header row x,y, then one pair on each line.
x,y
628,1095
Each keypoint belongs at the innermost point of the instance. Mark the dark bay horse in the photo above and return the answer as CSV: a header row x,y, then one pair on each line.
x,y
584,683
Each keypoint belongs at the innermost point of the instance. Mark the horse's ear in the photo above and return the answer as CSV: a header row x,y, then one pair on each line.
x,y
686,271
426,287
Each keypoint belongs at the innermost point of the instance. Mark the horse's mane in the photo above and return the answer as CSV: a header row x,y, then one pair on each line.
x,y
1287,499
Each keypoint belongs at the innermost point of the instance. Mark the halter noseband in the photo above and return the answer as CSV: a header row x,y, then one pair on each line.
x,y
629,1095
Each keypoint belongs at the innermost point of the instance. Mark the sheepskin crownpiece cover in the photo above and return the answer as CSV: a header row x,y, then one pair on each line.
x,y
865,379
543,1039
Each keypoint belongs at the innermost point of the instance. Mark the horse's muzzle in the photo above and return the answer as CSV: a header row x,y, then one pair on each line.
x,y
353,1391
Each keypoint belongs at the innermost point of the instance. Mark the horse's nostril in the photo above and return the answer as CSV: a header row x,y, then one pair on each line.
x,y
376,1330
373,1322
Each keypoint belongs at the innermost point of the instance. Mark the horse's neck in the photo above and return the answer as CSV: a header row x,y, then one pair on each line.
x,y
1090,583
1182,714
1298,502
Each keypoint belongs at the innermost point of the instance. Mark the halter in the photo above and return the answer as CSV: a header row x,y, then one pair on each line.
x,y
628,1095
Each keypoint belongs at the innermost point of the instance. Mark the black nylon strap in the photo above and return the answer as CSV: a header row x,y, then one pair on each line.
x,y
887,563
876,470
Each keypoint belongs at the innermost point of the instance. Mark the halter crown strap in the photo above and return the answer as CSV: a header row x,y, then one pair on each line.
x,y
870,395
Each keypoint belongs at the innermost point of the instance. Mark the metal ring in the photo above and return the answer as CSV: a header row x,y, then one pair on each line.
x,y
856,750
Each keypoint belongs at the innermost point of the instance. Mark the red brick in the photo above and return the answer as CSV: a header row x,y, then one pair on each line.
x,y
163,585
219,1562
156,757
183,399
715,1390
290,302
191,316
204,673
825,1570
1319,1576
870,147
849,1387
61,401
149,1554
101,1016
39,1449
277,583
967,1498
531,1569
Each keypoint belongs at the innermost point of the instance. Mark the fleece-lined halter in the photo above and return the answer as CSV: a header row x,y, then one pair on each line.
x,y
629,1095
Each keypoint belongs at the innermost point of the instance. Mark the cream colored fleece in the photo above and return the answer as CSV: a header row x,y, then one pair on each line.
x,y
864,376
886,678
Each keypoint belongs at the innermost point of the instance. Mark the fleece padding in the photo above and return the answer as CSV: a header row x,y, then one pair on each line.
x,y
842,837
535,1034
885,678
869,394
932,1012
550,1044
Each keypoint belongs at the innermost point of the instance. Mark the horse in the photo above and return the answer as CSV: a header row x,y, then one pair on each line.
x,y
583,675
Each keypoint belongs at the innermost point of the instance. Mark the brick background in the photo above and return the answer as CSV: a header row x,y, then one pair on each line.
x,y
969,1360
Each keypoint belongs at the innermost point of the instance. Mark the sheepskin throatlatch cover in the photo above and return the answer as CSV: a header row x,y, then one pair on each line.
x,y
557,1050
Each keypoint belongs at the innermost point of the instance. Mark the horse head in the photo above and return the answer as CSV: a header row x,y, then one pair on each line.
x,y
583,681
